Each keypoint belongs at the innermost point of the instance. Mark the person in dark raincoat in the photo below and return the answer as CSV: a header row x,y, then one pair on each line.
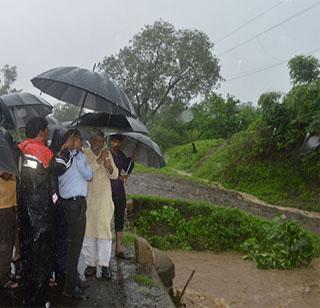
x,y
35,206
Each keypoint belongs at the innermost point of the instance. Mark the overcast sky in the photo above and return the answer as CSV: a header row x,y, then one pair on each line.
x,y
36,35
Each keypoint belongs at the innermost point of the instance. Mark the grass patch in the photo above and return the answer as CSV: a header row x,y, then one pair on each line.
x,y
276,182
143,280
128,239
178,224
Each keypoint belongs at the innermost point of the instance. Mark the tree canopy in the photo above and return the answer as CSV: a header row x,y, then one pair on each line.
x,y
304,69
162,65
8,75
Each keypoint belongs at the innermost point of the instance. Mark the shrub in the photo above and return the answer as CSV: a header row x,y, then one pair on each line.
x,y
179,224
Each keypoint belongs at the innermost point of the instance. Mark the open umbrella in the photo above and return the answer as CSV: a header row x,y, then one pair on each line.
x,y
115,121
24,106
84,88
148,152
6,119
54,125
7,162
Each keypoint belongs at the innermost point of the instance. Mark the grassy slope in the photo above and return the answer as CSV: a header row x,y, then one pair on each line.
x,y
274,183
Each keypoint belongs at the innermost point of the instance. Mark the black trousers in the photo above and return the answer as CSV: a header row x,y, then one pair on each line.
x,y
75,216
7,238
119,212
60,243
36,242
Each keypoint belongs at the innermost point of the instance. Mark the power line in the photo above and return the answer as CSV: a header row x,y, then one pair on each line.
x,y
249,22
249,73
267,51
271,28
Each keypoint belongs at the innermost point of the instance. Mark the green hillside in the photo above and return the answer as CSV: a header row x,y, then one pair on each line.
x,y
217,161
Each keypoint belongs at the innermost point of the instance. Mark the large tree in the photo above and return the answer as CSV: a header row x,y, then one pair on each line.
x,y
8,75
65,112
304,69
163,65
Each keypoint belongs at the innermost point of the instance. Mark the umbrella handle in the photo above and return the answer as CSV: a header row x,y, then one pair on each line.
x,y
135,152
127,172
82,106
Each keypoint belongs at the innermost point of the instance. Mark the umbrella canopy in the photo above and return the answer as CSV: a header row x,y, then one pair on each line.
x,y
6,119
148,152
115,121
7,162
84,88
54,125
24,106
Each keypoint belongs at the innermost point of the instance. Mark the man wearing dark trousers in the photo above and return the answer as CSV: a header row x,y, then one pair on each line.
x,y
35,206
73,189
125,166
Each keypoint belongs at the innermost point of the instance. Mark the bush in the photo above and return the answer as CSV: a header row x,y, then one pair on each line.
x,y
284,245
178,224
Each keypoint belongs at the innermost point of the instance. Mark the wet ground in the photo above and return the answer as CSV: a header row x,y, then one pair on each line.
x,y
227,278
122,291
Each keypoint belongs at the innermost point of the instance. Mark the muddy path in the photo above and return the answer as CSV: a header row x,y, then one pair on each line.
x,y
240,284
122,291
172,187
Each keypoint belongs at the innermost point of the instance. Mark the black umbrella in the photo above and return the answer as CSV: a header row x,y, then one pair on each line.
x,y
54,125
7,161
115,121
84,88
148,152
6,119
24,106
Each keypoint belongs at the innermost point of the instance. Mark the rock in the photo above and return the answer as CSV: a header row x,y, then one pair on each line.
x,y
165,268
144,254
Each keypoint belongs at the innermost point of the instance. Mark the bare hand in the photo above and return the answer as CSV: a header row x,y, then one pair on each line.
x,y
103,155
107,164
123,178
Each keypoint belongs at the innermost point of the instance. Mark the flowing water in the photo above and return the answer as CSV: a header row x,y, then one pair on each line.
x,y
240,284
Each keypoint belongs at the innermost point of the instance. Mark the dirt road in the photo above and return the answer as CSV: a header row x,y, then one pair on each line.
x,y
171,187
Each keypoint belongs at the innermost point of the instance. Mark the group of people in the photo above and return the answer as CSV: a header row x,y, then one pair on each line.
x,y
65,200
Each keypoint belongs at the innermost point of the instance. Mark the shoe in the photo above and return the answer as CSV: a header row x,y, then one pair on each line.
x,y
106,272
77,294
83,284
90,271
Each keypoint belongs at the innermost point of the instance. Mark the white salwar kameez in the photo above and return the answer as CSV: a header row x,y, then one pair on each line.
x,y
97,244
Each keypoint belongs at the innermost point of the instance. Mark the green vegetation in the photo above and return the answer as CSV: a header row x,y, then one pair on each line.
x,y
232,164
143,280
263,150
284,245
128,239
170,224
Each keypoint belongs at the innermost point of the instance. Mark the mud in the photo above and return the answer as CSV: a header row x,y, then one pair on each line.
x,y
171,187
227,279
122,291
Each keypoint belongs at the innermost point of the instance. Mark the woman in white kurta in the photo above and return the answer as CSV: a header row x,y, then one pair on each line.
x,y
97,243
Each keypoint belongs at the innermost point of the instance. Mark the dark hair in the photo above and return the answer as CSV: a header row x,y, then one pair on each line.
x,y
116,137
35,126
95,132
71,133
